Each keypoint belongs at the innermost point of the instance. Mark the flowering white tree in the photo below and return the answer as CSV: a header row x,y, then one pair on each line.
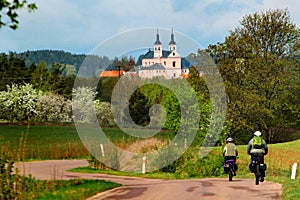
x,y
83,104
53,108
104,114
19,102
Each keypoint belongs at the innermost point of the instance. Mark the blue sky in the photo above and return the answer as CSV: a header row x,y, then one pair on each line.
x,y
79,26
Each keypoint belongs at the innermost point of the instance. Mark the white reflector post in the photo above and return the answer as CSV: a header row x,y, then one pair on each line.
x,y
102,149
294,170
144,165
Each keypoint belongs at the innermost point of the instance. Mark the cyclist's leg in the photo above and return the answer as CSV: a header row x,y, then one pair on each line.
x,y
251,163
263,174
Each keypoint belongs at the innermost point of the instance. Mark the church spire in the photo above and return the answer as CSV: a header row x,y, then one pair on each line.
x,y
172,43
157,47
157,38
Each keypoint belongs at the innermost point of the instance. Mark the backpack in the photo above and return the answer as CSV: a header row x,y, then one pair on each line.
x,y
257,142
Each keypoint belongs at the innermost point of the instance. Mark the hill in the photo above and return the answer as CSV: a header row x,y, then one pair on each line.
x,y
60,56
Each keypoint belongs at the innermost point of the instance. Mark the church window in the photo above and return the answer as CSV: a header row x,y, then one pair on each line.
x,y
174,63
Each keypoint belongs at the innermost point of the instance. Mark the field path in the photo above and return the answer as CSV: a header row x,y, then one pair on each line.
x,y
142,188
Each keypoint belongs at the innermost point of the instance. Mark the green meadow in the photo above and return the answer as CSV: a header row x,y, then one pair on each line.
x,y
56,142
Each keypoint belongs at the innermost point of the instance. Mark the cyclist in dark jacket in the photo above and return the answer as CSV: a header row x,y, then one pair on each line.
x,y
257,147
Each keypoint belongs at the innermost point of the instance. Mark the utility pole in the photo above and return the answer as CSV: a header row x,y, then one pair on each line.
x,y
118,67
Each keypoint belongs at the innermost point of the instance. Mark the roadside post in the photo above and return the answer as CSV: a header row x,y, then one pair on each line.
x,y
294,170
102,149
144,165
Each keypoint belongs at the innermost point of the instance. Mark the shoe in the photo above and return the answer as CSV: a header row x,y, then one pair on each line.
x,y
262,179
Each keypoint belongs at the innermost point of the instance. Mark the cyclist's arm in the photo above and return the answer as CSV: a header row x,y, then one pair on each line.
x,y
236,151
224,151
265,147
249,147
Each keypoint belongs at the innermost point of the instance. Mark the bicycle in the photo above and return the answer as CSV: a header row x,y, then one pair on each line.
x,y
258,167
230,168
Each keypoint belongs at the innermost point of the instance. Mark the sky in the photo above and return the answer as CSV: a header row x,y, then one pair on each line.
x,y
78,26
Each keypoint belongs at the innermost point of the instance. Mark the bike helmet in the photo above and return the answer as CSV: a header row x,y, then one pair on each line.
x,y
257,133
229,139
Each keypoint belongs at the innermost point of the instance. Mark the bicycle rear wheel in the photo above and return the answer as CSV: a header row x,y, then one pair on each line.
x,y
257,174
230,175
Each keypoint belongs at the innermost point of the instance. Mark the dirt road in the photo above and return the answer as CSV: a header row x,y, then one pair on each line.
x,y
141,188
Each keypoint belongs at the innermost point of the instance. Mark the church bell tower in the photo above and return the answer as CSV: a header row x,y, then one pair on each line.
x,y
157,47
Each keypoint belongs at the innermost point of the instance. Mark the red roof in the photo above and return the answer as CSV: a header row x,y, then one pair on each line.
x,y
111,73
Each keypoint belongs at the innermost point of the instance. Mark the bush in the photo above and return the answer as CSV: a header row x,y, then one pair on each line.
x,y
191,165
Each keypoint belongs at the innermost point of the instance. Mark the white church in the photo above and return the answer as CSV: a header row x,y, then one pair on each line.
x,y
165,63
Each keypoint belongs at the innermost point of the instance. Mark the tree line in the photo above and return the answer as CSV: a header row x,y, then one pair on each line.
x,y
259,62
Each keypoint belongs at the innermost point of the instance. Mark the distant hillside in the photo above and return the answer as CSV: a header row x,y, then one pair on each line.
x,y
58,56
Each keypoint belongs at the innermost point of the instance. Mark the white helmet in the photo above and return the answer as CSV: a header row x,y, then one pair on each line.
x,y
229,139
257,133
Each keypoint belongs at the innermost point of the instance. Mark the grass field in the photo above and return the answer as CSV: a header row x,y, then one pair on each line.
x,y
55,142
42,142
279,159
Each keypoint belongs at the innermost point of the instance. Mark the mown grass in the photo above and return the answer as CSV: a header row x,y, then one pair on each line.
x,y
156,174
64,189
74,189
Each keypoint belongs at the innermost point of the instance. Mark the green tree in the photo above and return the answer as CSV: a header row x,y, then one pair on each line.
x,y
139,108
56,78
67,86
10,10
41,78
258,64
13,70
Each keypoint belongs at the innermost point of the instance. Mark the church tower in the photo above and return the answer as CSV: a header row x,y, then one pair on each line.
x,y
172,43
157,47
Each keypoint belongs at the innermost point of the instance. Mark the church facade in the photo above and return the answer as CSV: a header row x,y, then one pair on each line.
x,y
165,63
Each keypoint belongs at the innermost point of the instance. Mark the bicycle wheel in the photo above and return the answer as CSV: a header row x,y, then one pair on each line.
x,y
257,174
230,176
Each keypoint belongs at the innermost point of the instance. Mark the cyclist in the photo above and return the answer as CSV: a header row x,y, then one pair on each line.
x,y
257,147
230,151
